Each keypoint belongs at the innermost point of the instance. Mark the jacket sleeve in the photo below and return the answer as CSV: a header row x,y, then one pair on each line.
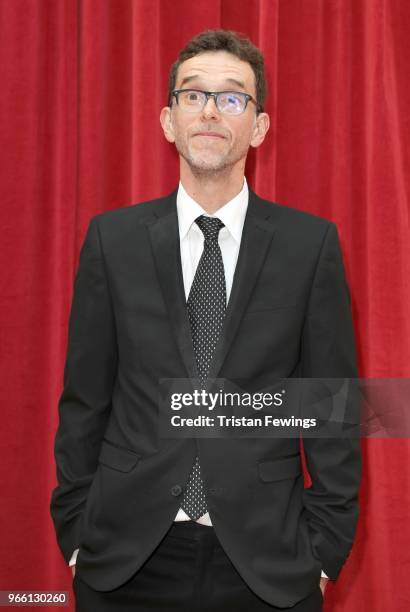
x,y
334,463
85,402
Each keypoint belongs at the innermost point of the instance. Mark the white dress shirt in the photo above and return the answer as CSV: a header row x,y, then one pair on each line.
x,y
232,214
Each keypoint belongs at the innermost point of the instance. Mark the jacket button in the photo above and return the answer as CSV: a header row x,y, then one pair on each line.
x,y
176,490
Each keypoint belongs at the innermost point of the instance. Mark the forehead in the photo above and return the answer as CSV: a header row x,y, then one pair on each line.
x,y
216,69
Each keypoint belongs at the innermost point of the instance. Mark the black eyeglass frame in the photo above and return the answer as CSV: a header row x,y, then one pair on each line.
x,y
214,94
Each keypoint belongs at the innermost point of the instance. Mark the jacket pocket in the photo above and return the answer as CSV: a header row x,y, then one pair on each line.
x,y
279,469
117,457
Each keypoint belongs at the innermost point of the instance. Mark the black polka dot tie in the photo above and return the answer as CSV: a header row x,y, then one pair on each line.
x,y
206,309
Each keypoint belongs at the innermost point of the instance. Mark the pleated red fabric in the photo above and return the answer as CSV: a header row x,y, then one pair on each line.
x,y
82,85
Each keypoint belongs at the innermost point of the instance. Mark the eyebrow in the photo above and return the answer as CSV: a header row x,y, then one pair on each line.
x,y
188,79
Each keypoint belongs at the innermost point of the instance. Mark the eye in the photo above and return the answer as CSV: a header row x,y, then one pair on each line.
x,y
232,99
231,102
192,97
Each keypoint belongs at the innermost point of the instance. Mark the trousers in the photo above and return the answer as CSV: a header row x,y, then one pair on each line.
x,y
189,571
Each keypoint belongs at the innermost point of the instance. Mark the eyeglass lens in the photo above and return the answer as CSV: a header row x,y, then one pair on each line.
x,y
226,102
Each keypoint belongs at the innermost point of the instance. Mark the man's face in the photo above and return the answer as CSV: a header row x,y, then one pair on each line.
x,y
207,140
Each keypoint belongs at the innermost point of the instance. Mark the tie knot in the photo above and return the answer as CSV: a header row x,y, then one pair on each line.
x,y
209,226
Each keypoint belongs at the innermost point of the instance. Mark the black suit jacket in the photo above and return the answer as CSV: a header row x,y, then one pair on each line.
x,y
119,482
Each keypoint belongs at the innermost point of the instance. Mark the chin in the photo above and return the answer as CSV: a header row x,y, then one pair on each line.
x,y
207,164
208,167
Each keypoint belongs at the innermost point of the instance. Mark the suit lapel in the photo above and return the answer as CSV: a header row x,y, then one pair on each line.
x,y
256,238
164,235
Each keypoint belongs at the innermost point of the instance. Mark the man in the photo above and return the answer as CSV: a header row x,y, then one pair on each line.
x,y
208,282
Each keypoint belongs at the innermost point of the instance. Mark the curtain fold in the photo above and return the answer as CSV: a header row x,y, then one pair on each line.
x,y
82,85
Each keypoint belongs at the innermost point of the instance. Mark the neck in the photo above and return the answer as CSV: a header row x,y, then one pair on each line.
x,y
213,189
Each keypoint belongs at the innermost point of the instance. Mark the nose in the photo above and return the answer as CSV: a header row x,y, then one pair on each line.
x,y
210,111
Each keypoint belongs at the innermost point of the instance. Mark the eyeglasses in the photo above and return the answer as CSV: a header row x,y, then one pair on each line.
x,y
227,102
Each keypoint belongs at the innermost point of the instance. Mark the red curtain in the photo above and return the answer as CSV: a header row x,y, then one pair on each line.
x,y
82,84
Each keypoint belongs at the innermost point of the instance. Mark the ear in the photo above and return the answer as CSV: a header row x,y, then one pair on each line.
x,y
260,129
165,118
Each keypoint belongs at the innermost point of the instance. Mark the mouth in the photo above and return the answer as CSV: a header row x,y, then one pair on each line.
x,y
210,135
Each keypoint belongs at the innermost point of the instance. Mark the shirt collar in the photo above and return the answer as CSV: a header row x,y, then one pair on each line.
x,y
232,214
